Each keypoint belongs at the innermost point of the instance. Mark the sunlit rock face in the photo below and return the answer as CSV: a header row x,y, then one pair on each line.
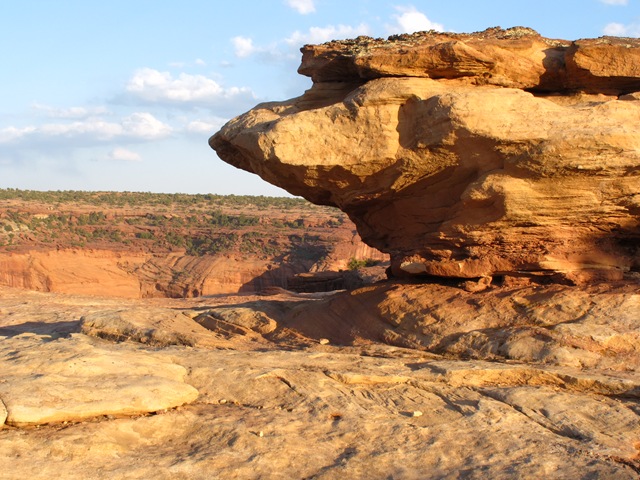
x,y
465,155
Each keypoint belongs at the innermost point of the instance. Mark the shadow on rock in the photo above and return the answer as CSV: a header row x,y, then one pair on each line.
x,y
55,329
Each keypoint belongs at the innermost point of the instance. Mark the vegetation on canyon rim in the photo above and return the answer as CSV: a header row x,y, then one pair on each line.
x,y
199,224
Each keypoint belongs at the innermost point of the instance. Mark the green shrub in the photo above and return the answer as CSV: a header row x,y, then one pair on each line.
x,y
355,264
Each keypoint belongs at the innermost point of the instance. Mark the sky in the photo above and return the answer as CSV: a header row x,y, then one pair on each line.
x,y
123,95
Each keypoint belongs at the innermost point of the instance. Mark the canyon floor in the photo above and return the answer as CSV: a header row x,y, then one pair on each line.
x,y
320,385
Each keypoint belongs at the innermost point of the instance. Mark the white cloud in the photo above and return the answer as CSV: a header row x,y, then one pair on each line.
x,y
138,126
13,134
410,20
124,155
620,30
303,7
615,2
208,126
71,112
154,86
243,46
97,129
144,126
325,34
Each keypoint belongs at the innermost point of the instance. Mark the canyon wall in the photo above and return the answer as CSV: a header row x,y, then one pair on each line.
x,y
140,245
131,274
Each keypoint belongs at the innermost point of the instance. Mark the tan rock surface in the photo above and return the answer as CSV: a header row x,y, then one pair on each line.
x,y
460,174
46,380
571,326
282,405
153,326
237,320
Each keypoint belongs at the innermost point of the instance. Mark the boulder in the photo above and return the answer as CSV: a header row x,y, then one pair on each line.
x,y
236,320
465,155
157,327
76,378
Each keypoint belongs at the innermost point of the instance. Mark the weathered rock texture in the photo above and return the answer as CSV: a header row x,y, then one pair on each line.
x,y
76,379
500,152
132,274
259,393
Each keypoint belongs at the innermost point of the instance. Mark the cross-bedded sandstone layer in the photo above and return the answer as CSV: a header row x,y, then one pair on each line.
x,y
465,155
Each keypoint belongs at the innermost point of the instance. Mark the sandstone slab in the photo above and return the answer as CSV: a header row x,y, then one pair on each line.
x,y
516,57
237,320
160,326
329,413
556,325
74,379
289,404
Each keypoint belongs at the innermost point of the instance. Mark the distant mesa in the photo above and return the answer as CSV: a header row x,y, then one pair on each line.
x,y
465,155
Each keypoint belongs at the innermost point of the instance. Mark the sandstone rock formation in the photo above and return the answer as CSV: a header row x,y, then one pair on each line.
x,y
76,379
465,155
115,388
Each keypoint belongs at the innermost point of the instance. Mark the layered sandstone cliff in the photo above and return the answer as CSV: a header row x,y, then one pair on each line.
x,y
465,155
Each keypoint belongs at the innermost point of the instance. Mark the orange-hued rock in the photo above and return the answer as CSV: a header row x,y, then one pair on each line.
x,y
137,274
131,274
497,153
71,271
516,57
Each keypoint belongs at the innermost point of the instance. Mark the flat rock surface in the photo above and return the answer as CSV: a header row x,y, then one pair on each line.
x,y
261,403
72,379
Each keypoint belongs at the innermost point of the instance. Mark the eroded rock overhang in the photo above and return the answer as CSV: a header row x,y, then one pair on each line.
x,y
465,155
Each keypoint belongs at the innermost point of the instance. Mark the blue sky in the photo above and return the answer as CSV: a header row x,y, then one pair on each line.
x,y
123,94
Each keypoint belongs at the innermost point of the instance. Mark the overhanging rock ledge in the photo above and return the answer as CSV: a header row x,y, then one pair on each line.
x,y
465,155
